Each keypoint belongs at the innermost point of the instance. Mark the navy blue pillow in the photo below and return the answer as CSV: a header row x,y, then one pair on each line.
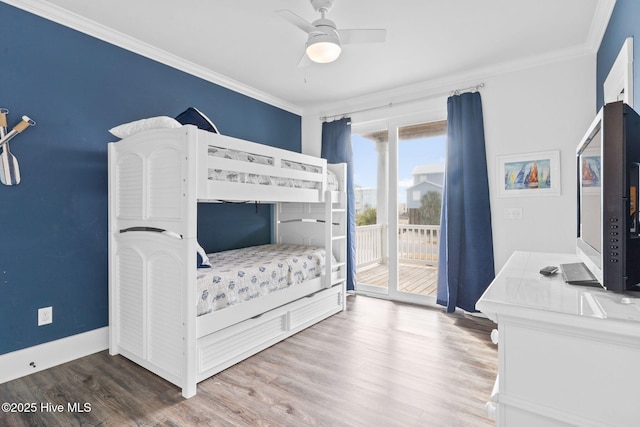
x,y
191,116
202,263
203,259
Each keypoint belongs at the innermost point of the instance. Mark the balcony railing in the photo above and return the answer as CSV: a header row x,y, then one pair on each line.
x,y
416,244
369,244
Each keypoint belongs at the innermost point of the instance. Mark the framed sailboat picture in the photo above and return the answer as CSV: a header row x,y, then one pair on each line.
x,y
534,174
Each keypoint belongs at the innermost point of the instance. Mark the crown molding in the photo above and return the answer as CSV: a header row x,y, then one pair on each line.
x,y
599,24
76,22
443,86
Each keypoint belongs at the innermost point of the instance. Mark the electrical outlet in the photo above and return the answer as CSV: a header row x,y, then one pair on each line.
x,y
45,316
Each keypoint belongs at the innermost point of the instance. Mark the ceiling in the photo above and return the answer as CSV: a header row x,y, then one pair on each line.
x,y
427,40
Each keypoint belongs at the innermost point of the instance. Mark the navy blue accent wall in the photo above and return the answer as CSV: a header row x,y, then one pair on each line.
x,y
53,226
624,22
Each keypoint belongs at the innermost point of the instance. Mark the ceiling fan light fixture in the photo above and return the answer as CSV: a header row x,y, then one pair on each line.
x,y
323,49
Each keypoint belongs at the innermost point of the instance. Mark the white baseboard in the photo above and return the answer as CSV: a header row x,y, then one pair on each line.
x,y
44,356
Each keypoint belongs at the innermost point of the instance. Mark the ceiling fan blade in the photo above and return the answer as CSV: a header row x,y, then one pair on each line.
x,y
296,20
362,36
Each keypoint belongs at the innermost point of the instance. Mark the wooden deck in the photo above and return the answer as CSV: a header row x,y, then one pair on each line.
x,y
417,279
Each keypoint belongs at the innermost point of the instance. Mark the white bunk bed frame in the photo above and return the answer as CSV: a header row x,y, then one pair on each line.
x,y
156,179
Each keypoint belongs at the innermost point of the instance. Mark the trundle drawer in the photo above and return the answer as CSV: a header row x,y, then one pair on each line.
x,y
228,346
315,307
236,342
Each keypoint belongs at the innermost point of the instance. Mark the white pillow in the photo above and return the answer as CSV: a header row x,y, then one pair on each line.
x,y
128,129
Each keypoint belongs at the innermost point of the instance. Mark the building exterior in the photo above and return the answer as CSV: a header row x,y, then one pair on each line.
x,y
425,178
365,198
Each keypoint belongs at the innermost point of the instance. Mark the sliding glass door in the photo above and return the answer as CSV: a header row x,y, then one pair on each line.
x,y
420,179
397,248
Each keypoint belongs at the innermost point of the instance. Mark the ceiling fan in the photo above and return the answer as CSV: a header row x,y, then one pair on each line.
x,y
325,40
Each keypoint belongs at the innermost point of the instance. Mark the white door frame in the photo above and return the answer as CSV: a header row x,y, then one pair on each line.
x,y
618,86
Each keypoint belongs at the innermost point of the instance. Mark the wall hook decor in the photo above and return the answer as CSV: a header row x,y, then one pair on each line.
x,y
9,169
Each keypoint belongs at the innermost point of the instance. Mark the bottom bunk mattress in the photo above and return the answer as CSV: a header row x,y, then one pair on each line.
x,y
244,274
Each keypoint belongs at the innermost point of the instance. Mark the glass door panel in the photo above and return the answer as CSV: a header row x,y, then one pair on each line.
x,y
399,174
370,176
420,179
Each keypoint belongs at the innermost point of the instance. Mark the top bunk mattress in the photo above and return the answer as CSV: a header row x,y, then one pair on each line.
x,y
241,275
253,178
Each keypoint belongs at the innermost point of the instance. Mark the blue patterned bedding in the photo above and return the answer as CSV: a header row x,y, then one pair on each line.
x,y
244,274
249,178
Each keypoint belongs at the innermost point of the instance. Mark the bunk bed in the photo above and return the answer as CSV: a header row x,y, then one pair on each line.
x,y
156,313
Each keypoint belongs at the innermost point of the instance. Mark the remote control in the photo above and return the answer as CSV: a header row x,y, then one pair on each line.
x,y
549,270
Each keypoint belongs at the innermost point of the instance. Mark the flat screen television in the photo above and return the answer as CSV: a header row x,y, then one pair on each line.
x,y
608,159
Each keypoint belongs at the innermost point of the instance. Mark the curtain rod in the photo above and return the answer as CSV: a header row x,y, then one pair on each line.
x,y
391,104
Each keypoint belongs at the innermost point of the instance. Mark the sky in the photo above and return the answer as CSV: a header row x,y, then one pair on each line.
x,y
412,153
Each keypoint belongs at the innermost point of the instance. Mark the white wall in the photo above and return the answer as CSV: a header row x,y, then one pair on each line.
x,y
538,109
546,107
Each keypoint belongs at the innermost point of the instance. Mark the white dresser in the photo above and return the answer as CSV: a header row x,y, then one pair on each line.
x,y
568,355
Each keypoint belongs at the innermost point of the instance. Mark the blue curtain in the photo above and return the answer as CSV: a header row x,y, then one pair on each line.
x,y
465,262
336,148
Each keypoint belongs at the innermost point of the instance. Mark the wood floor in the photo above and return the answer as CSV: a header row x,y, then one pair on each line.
x,y
417,279
379,363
